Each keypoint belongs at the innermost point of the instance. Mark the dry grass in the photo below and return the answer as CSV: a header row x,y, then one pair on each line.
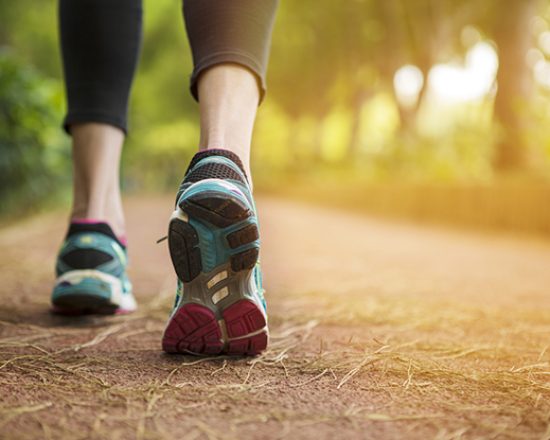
x,y
375,365
457,378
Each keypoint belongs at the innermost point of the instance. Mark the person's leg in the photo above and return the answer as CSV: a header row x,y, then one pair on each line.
x,y
213,234
230,43
229,99
96,188
100,42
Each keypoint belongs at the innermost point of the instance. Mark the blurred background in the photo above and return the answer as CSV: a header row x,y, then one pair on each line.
x,y
433,110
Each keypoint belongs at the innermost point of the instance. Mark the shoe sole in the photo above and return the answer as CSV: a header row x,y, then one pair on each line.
x,y
220,314
83,303
89,291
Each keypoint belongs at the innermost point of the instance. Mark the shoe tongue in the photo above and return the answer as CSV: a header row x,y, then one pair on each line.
x,y
216,152
77,227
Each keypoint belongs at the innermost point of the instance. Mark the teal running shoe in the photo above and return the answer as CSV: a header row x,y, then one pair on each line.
x,y
214,245
91,273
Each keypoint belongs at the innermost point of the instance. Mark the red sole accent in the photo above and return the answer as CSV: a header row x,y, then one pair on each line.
x,y
241,319
194,329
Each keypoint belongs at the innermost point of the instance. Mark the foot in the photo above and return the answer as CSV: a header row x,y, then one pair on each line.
x,y
214,245
91,273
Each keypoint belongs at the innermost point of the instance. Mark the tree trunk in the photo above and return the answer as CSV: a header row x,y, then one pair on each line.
x,y
514,81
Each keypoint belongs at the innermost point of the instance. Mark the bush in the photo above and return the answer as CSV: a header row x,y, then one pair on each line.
x,y
34,160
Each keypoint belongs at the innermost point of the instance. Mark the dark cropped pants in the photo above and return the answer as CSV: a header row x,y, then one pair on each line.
x,y
100,42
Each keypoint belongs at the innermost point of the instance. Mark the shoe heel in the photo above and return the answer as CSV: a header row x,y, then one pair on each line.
x,y
86,291
213,240
216,208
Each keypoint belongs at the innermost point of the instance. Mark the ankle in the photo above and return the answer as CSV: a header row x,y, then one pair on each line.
x,y
114,218
242,153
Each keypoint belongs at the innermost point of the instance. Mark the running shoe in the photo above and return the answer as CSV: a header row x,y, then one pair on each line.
x,y
91,273
214,245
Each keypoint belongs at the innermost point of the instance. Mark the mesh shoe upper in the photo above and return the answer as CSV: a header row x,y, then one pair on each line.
x,y
214,164
225,165
89,247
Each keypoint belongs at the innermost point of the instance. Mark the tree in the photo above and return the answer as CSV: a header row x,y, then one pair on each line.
x,y
514,79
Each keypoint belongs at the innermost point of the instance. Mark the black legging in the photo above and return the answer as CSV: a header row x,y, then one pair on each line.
x,y
100,41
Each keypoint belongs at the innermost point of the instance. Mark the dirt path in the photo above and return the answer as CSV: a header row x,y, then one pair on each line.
x,y
379,330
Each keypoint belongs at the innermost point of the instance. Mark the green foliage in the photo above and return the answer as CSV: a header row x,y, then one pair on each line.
x,y
330,102
33,153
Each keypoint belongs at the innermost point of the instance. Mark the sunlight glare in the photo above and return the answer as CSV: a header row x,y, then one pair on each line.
x,y
455,83
542,73
544,42
408,82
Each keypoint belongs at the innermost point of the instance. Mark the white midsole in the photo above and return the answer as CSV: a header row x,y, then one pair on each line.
x,y
118,298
